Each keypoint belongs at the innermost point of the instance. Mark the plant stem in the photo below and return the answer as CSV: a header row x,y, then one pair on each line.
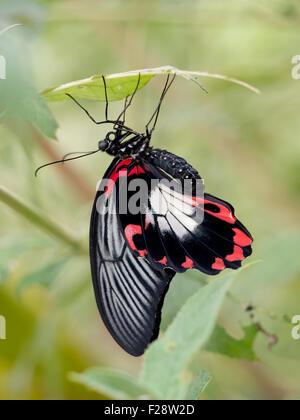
x,y
39,219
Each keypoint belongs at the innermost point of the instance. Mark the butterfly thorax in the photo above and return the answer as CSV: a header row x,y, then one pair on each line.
x,y
125,144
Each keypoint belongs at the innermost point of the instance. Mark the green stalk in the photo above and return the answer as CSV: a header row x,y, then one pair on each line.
x,y
39,219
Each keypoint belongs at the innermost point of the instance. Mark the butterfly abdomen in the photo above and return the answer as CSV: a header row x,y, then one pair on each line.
x,y
174,165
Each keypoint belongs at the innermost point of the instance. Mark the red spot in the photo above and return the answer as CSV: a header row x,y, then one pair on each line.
x,y
163,261
142,253
240,238
136,171
237,254
223,214
188,263
130,231
218,264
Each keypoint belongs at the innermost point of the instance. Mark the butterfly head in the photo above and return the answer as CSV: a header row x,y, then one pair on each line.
x,y
106,144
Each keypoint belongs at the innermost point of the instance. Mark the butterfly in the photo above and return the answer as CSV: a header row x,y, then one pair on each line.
x,y
134,255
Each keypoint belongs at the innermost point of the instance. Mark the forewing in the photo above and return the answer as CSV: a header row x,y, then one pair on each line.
x,y
129,291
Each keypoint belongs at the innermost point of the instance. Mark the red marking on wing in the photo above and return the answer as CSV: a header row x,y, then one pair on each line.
x,y
111,182
188,263
130,231
224,213
237,254
218,264
163,261
116,175
124,162
136,171
142,253
109,189
240,238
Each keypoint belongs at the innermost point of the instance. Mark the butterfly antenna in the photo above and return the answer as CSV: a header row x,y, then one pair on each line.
x,y
66,156
64,160
155,115
125,104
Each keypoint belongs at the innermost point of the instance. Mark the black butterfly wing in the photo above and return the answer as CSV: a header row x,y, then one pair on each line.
x,y
129,291
184,231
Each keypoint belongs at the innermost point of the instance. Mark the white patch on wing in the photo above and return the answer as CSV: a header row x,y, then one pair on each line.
x,y
185,220
177,202
158,202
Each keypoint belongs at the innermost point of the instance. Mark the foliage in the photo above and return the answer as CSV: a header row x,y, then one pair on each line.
x,y
117,385
122,85
221,342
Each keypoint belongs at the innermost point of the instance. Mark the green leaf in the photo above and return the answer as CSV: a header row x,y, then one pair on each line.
x,y
121,85
118,87
166,360
198,385
43,276
112,383
35,110
19,100
181,288
223,343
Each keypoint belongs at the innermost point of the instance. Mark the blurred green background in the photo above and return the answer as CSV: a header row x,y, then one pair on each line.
x,y
245,146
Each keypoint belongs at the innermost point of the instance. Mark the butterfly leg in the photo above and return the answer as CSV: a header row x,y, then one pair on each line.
x,y
127,105
119,124
106,98
155,115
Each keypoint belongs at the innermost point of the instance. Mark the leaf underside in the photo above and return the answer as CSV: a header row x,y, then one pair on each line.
x,y
122,85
